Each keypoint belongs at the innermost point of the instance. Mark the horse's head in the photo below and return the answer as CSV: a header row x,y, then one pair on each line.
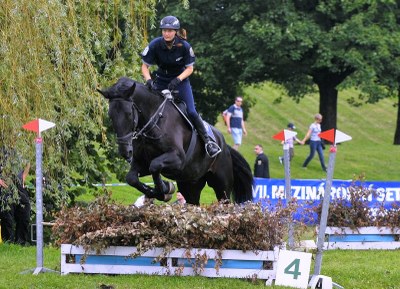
x,y
121,113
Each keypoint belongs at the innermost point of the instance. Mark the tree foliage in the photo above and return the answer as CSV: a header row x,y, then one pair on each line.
x,y
304,45
53,56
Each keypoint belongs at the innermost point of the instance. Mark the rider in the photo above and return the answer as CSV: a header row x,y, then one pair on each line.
x,y
175,59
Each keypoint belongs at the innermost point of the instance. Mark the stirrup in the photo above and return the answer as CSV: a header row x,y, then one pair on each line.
x,y
214,145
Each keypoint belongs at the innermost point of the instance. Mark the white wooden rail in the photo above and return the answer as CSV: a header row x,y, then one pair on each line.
x,y
116,260
363,238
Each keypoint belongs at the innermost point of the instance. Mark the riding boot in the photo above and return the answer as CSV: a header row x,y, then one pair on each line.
x,y
211,147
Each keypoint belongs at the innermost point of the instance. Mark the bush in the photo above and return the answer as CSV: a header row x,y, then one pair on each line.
x,y
217,226
354,211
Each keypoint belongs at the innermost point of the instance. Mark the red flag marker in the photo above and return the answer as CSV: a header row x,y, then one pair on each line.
x,y
280,136
38,125
32,126
328,135
334,136
285,135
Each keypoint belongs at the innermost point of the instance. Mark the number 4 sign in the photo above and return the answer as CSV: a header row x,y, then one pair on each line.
x,y
293,269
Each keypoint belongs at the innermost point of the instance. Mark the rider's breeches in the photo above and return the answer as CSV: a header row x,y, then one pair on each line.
x,y
185,93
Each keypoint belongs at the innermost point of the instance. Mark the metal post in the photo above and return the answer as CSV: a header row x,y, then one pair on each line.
x,y
39,207
38,126
325,211
39,212
288,195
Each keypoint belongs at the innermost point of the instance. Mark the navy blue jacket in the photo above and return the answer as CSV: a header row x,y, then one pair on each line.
x,y
261,166
170,62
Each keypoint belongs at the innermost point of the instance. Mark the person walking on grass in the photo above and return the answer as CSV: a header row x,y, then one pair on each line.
x,y
290,142
315,142
235,122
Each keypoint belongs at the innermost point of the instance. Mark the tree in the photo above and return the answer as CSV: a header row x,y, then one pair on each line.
x,y
53,56
302,45
326,41
380,76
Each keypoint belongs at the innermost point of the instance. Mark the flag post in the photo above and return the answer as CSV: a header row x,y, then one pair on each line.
x,y
283,136
38,126
334,136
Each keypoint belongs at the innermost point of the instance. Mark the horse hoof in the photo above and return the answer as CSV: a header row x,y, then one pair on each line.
x,y
171,188
167,197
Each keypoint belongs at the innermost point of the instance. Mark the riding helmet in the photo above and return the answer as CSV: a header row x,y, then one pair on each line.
x,y
170,22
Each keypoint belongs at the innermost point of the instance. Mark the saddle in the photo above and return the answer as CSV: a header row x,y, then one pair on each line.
x,y
180,105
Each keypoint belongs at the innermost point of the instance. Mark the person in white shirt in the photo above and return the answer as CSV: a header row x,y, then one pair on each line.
x,y
315,142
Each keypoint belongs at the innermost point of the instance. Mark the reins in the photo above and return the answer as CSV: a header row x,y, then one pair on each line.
x,y
151,123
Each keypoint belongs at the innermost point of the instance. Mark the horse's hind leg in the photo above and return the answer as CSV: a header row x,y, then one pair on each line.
x,y
191,190
222,183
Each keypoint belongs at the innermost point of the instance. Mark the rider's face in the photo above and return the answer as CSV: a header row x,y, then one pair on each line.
x,y
168,34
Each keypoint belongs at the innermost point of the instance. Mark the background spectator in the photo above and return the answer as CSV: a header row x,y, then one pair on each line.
x,y
290,142
261,164
15,213
315,142
235,122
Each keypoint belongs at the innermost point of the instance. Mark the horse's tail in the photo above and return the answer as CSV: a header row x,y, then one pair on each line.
x,y
243,178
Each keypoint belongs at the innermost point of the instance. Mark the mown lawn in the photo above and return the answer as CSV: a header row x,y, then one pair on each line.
x,y
352,269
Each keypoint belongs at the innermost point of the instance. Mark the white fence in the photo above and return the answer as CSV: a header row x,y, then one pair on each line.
x,y
363,238
116,260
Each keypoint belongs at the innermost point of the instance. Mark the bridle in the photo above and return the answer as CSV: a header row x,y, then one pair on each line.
x,y
135,133
127,139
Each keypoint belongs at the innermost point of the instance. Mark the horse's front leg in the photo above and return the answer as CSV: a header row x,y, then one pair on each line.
x,y
132,178
164,190
171,161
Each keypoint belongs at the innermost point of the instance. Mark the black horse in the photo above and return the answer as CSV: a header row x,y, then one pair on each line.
x,y
156,138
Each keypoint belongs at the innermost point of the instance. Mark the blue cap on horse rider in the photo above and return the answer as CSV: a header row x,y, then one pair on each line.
x,y
170,22
175,59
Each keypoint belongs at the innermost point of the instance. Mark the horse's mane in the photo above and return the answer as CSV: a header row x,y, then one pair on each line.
x,y
123,88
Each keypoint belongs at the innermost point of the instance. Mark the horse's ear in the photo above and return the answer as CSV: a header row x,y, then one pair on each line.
x,y
104,93
131,90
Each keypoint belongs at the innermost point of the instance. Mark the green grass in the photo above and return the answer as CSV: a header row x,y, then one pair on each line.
x,y
352,269
371,151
